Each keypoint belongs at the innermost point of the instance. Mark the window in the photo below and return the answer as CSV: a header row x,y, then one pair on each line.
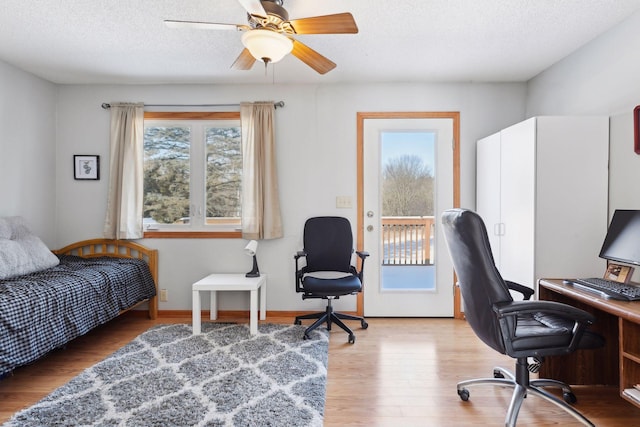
x,y
192,174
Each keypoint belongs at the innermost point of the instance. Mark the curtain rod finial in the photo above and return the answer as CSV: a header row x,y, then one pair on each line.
x,y
106,106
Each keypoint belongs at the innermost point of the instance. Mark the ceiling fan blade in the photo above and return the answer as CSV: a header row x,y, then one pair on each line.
x,y
254,7
244,61
204,25
312,58
340,23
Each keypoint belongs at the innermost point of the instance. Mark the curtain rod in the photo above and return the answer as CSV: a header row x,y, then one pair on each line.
x,y
275,104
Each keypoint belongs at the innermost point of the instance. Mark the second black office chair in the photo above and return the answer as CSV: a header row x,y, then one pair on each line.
x,y
520,329
328,272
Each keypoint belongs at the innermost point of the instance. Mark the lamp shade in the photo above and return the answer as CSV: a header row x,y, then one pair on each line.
x,y
251,248
267,45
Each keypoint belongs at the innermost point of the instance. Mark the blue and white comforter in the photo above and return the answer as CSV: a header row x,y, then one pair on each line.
x,y
44,310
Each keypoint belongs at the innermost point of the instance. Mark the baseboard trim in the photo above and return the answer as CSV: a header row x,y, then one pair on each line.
x,y
222,314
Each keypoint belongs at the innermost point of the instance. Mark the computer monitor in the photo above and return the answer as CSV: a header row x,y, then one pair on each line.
x,y
622,243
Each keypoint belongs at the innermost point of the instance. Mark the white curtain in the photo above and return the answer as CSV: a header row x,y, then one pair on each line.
x,y
261,217
124,202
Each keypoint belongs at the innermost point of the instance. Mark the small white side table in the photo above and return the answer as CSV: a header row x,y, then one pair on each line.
x,y
230,282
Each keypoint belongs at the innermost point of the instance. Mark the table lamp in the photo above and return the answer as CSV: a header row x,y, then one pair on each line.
x,y
250,250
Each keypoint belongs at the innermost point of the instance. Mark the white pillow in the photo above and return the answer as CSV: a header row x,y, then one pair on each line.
x,y
22,252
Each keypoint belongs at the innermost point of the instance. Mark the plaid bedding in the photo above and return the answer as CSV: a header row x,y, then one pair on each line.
x,y
44,310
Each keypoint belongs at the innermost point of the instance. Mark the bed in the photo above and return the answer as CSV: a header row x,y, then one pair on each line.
x,y
92,282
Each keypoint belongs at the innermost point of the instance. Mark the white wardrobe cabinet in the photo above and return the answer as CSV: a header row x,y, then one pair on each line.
x,y
542,191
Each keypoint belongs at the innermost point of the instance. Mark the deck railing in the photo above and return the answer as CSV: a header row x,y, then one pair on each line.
x,y
407,240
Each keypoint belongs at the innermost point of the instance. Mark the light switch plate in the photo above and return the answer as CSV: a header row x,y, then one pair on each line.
x,y
344,202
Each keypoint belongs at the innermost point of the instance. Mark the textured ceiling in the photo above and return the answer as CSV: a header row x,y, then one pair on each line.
x,y
118,41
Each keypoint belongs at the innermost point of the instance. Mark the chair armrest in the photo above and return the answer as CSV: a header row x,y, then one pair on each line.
x,y
511,308
299,271
526,291
362,254
508,312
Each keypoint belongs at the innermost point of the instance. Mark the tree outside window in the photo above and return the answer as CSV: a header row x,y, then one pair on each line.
x,y
407,187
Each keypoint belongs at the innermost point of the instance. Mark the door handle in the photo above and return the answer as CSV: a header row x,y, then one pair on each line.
x,y
370,214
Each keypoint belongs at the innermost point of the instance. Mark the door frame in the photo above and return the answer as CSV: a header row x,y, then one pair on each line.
x,y
361,117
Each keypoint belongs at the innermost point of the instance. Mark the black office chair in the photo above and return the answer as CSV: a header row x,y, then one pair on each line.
x,y
520,329
328,272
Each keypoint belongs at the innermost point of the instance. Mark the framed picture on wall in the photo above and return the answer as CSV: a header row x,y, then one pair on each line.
x,y
86,167
636,129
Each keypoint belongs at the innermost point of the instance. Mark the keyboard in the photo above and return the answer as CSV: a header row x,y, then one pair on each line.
x,y
608,288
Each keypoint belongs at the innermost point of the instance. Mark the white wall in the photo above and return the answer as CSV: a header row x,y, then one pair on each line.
x,y
316,144
27,150
602,78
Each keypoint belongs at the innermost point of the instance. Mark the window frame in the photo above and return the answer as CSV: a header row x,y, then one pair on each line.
x,y
198,234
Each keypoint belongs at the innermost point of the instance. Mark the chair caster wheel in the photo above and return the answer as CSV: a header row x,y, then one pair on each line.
x,y
364,324
569,397
352,339
497,374
464,394
297,322
306,337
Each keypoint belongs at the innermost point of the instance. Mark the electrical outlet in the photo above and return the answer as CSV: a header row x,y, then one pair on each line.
x,y
344,202
164,295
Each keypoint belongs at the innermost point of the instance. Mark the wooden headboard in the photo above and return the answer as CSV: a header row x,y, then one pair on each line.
x,y
119,249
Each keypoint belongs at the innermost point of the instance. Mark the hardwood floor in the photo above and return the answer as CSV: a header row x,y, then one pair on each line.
x,y
400,372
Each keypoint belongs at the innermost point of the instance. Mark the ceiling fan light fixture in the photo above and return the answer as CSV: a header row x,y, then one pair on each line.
x,y
267,45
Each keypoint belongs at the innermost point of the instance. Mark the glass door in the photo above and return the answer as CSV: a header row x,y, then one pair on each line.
x,y
408,182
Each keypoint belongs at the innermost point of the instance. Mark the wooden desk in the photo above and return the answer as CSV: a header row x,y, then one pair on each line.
x,y
618,363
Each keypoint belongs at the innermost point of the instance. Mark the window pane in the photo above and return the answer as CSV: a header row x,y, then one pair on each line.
x,y
408,182
223,175
166,174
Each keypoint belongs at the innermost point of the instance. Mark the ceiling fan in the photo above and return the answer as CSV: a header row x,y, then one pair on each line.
x,y
268,36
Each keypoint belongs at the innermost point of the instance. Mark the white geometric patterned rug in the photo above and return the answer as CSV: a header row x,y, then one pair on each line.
x,y
224,377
